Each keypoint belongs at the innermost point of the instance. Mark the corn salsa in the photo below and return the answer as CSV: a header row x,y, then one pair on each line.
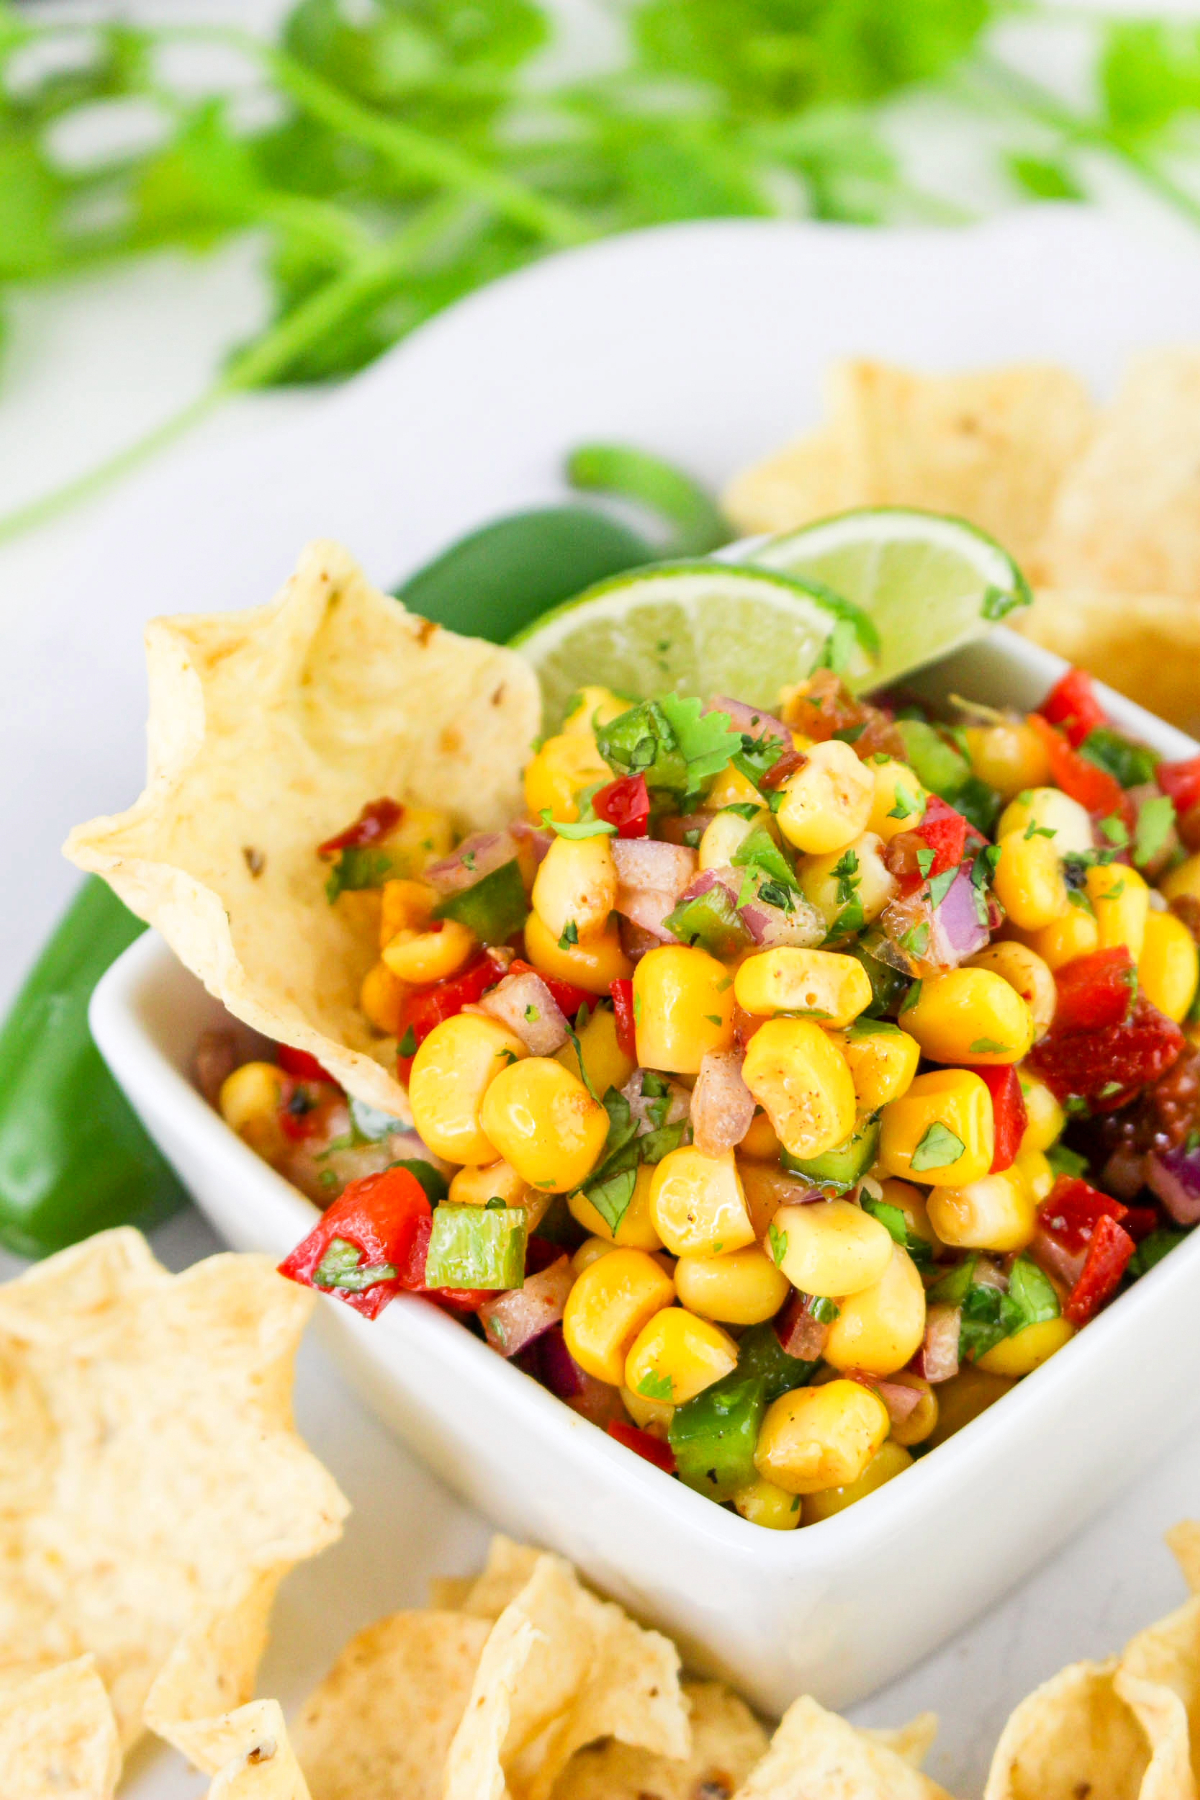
x,y
783,1088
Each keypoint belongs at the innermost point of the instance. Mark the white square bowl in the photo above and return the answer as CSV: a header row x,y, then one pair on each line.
x,y
835,1610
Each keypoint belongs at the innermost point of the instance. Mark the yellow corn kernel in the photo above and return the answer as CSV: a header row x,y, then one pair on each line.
x,y
606,1063
635,1230
899,802
476,1184
697,1204
381,998
249,1102
1027,1349
676,1356
761,1142
879,1328
1121,902
1045,1118
913,1204
1029,881
424,956
970,1016
832,987
827,803
722,837
957,1100
765,1504
607,1307
1025,971
882,1060
820,1437
590,1251
1168,966
823,880
830,1247
1184,882
923,1418
1075,934
1010,756
451,1073
739,1287
732,788
1034,1169
404,906
593,707
997,1212
682,1008
421,837
800,1078
545,1123
1048,809
963,1398
562,767
890,1460
653,1416
593,964
576,884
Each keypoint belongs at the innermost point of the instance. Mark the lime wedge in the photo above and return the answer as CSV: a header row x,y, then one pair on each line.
x,y
695,628
929,583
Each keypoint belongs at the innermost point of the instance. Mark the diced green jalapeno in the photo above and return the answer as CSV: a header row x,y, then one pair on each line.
x,y
761,1355
846,1163
476,1247
935,763
710,920
493,907
888,985
714,1436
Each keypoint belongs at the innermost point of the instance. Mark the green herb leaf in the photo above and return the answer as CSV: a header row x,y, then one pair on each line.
x,y
777,1240
586,828
1155,823
889,1216
656,1387
938,1149
988,1047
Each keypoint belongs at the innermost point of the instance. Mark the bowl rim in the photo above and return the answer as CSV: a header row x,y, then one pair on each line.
x,y
143,1066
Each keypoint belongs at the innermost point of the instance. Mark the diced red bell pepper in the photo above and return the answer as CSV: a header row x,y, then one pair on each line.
x,y
427,1006
373,823
300,1064
1072,705
643,1444
1094,991
1094,788
567,997
944,831
381,1217
1108,1254
1180,781
1008,1111
1107,1067
1072,1208
622,999
412,1276
625,804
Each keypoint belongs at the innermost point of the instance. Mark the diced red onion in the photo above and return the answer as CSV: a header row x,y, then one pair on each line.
x,y
557,1368
634,941
647,908
986,1273
799,1333
1124,1174
677,827
539,841
1174,1175
751,721
800,925
1062,1265
513,1319
475,857
955,930
722,1106
644,1107
525,1004
901,1401
937,1359
648,863
725,876
959,931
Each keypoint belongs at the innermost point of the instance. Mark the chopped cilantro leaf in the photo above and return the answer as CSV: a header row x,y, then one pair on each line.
x,y
778,1243
941,884
569,936
408,1043
938,1149
1115,830
988,1047
585,828
890,1217
1155,822
906,803
926,859
656,1387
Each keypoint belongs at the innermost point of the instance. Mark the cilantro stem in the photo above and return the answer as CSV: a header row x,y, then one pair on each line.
x,y
258,363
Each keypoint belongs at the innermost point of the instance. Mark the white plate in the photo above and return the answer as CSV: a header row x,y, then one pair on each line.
x,y
704,342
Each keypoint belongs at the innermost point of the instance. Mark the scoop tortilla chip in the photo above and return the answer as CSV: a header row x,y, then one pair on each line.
x,y
727,1741
815,1755
509,1568
1159,1679
381,1722
1145,645
1127,516
1074,1735
269,730
806,480
158,1492
562,1669
58,1737
248,1752
1183,1541
913,1741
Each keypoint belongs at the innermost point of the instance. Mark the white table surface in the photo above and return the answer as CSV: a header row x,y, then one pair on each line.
x,y
87,369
